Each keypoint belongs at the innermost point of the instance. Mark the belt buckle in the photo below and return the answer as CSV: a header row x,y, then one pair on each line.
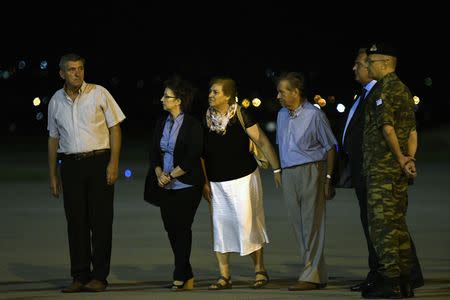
x,y
83,155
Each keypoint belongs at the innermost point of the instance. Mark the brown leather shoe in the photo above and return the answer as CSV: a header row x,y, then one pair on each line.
x,y
95,286
74,287
305,286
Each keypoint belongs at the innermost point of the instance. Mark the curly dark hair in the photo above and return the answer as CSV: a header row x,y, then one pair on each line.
x,y
183,90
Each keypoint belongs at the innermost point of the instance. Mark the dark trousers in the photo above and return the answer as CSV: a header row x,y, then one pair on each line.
x,y
416,276
361,194
88,204
178,208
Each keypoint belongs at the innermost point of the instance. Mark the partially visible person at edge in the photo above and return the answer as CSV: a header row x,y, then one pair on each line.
x,y
233,184
352,146
84,129
307,149
175,163
389,147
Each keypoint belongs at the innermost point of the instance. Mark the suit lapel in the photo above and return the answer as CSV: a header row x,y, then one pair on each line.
x,y
358,114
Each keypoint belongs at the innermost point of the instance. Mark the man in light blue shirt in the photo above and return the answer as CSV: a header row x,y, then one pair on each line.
x,y
307,149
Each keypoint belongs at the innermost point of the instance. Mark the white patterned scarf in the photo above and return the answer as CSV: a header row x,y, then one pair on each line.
x,y
217,122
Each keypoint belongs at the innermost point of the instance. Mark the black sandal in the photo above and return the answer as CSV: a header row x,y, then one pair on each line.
x,y
219,286
261,282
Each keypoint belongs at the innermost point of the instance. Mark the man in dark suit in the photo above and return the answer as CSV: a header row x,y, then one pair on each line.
x,y
352,148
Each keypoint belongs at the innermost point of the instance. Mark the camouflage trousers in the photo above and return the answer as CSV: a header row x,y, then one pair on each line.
x,y
387,202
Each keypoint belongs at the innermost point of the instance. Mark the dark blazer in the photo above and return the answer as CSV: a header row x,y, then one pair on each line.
x,y
187,153
353,139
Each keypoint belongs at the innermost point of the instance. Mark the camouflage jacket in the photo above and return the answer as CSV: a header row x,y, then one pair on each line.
x,y
390,102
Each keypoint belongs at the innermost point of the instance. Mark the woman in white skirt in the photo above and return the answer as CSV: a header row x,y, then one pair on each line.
x,y
233,183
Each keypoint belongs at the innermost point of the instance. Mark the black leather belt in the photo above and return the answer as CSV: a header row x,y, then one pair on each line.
x,y
84,155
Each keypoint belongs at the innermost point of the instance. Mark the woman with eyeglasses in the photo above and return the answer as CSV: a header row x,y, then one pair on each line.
x,y
175,179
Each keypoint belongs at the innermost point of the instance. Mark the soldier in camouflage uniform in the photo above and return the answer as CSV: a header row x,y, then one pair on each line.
x,y
389,146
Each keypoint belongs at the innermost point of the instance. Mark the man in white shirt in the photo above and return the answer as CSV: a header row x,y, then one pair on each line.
x,y
84,132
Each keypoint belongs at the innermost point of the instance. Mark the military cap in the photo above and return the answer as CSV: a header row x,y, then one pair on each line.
x,y
381,48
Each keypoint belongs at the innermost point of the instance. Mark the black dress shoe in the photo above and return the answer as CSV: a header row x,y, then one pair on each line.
x,y
356,287
389,288
362,286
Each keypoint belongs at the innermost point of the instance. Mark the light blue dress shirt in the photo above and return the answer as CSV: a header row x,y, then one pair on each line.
x,y
304,136
167,144
367,89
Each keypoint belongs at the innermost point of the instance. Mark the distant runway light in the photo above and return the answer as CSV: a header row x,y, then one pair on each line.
x,y
22,64
416,100
256,102
128,173
271,126
428,81
340,107
39,116
319,100
245,103
322,102
59,161
317,105
43,65
36,101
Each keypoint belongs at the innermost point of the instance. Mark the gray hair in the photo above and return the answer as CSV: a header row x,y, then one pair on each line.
x,y
69,57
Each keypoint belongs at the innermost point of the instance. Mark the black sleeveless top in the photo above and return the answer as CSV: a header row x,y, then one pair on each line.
x,y
227,156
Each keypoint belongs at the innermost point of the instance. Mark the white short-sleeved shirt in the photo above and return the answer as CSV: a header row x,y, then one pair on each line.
x,y
82,125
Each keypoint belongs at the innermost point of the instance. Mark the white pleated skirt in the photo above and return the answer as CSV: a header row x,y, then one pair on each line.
x,y
238,215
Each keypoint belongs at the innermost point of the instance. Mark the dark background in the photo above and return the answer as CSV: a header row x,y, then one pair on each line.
x,y
132,47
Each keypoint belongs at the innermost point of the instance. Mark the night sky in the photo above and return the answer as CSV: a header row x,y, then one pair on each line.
x,y
130,50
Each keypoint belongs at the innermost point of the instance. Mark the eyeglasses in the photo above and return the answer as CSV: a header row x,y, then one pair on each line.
x,y
371,61
168,97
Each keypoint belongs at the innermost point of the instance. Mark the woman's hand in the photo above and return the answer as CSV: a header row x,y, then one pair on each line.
x,y
207,193
163,179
